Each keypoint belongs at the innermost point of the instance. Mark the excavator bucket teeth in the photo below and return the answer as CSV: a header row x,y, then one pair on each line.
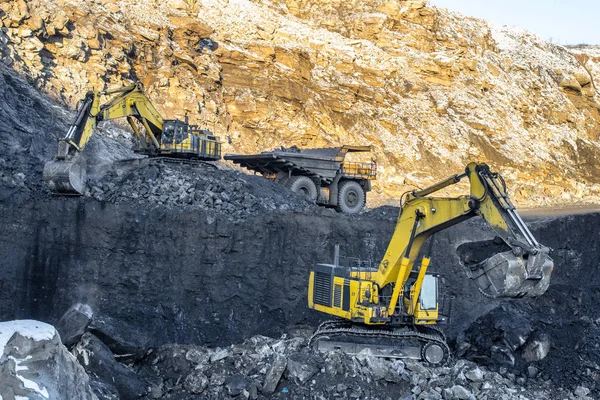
x,y
65,177
506,275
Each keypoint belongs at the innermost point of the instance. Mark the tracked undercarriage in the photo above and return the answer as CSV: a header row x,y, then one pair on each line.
x,y
415,342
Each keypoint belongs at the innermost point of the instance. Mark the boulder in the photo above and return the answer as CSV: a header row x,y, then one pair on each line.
x,y
97,359
218,355
532,371
274,375
460,392
570,82
236,384
300,368
537,348
104,390
195,382
474,375
73,323
121,337
582,78
581,391
35,365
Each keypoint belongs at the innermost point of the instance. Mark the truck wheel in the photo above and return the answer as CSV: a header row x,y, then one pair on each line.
x,y
351,197
302,185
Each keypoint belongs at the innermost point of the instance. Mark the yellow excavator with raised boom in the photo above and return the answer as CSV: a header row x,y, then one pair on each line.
x,y
393,309
66,173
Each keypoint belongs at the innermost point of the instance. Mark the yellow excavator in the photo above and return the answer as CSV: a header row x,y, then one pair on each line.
x,y
392,310
66,173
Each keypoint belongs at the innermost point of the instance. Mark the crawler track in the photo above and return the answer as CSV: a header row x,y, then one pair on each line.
x,y
388,342
170,160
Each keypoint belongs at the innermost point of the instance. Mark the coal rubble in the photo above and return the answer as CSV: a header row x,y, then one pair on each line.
x,y
267,368
193,186
285,368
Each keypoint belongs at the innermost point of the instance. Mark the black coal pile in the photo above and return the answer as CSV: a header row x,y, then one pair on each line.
x,y
190,186
28,123
554,337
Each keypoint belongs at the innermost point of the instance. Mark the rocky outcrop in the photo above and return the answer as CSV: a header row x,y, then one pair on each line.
x,y
35,365
100,363
429,89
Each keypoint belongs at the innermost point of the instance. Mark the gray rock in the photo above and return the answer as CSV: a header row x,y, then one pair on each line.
x,y
197,357
459,392
532,371
121,337
581,391
236,384
474,375
73,323
502,355
218,355
195,382
104,391
274,375
156,391
31,351
537,348
430,395
97,359
300,368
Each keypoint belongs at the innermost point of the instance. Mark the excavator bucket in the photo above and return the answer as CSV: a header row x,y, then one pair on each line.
x,y
65,177
507,275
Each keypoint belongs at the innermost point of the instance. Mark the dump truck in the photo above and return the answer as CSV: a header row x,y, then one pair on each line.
x,y
322,174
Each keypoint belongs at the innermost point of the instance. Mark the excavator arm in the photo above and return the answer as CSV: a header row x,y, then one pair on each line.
x,y
523,271
375,296
66,174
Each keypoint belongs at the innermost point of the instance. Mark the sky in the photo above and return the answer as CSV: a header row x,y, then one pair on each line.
x,y
559,21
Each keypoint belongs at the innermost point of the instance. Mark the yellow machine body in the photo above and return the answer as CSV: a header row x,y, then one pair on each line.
x,y
399,292
66,173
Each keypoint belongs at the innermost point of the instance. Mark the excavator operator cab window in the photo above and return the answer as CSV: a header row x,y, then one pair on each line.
x,y
174,132
429,291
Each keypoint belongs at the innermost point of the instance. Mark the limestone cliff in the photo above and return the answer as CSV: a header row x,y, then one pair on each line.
x,y
431,90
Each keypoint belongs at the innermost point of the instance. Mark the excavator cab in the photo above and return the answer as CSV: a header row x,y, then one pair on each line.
x,y
179,139
427,308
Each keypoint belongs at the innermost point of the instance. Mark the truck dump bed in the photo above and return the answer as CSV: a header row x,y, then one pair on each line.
x,y
323,163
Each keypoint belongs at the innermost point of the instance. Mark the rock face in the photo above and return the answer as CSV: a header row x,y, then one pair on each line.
x,y
35,365
430,90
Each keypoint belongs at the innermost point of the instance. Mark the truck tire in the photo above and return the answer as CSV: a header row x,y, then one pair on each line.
x,y
351,197
302,185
